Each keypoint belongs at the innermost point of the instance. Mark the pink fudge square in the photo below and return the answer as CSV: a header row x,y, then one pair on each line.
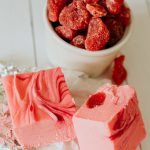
x,y
110,120
41,107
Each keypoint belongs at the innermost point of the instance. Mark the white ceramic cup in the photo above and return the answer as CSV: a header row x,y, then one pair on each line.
x,y
65,55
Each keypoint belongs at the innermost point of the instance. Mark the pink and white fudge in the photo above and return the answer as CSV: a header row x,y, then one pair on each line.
x,y
41,107
110,120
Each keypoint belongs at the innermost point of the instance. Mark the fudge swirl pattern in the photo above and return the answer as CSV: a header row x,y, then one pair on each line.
x,y
46,93
125,118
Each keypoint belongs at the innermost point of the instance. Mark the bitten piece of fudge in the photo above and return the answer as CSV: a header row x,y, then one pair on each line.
x,y
110,120
41,107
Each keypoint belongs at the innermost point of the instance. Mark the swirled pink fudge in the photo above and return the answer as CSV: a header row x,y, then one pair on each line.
x,y
41,107
110,120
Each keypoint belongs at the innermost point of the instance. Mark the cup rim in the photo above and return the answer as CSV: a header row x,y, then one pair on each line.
x,y
103,52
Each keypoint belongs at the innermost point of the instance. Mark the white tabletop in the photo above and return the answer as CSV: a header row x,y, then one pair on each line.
x,y
22,42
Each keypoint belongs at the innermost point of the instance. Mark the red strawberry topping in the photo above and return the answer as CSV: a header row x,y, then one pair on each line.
x,y
119,73
96,100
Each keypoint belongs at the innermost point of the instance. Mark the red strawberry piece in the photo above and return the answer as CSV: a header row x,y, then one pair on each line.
x,y
91,1
124,17
79,41
54,8
75,16
96,100
116,30
114,6
119,73
65,32
96,10
119,60
98,35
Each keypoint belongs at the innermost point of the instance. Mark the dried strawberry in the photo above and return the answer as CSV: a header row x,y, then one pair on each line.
x,y
124,17
98,35
116,30
75,16
114,6
119,73
91,1
96,10
119,60
65,32
54,8
96,100
79,41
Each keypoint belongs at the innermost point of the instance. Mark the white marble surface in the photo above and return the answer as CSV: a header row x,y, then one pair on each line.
x,y
22,42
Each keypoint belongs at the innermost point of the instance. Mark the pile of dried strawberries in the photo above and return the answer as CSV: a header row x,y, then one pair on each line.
x,y
89,24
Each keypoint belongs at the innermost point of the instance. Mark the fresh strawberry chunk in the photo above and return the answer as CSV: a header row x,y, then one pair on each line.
x,y
125,16
116,30
91,1
96,10
79,41
98,35
65,32
119,73
96,100
54,8
75,16
114,6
